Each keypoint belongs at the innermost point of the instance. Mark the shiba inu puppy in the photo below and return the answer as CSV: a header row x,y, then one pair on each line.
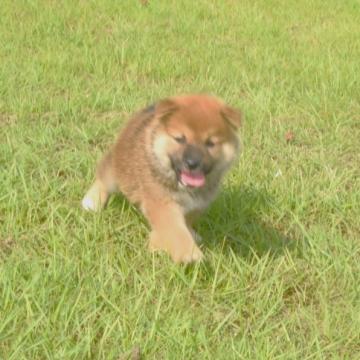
x,y
169,160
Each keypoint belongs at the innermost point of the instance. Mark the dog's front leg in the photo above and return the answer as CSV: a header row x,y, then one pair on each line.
x,y
170,232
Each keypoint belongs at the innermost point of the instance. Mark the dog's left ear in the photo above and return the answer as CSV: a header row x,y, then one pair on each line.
x,y
165,108
232,116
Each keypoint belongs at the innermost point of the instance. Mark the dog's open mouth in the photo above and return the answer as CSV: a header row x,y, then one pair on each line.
x,y
192,179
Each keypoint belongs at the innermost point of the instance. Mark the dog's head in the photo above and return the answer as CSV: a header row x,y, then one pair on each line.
x,y
195,137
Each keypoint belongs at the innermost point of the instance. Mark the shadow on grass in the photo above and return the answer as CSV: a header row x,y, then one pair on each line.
x,y
237,222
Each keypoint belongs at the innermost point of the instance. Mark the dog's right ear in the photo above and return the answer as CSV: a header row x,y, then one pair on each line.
x,y
165,108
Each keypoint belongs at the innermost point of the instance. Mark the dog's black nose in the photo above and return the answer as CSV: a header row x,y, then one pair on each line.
x,y
192,157
192,163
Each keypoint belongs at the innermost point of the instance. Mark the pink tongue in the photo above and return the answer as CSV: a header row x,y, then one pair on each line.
x,y
195,180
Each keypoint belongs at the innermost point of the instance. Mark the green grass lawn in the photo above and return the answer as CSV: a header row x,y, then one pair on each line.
x,y
281,278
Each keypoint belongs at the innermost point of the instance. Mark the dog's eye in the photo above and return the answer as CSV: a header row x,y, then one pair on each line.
x,y
209,143
181,139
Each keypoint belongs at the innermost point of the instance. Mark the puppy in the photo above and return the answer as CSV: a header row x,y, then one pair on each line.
x,y
169,160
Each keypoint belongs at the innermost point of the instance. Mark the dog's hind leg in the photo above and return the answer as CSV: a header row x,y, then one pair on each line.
x,y
104,185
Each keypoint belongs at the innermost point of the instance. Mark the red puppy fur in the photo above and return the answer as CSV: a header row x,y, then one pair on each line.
x,y
169,160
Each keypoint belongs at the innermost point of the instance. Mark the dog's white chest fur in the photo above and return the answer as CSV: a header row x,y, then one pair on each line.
x,y
192,202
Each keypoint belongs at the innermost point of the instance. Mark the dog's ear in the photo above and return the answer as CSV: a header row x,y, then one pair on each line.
x,y
165,108
232,116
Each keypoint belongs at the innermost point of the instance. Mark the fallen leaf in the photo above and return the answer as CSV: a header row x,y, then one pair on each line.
x,y
134,354
289,136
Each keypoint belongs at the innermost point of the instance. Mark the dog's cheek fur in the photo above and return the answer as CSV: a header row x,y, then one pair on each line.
x,y
162,148
229,152
160,145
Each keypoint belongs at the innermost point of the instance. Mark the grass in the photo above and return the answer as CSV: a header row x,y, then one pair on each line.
x,y
281,278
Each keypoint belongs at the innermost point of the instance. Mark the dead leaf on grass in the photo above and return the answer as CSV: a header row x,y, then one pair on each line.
x,y
289,137
134,354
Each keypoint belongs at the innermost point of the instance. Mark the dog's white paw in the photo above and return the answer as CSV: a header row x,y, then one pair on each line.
x,y
92,199
88,204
